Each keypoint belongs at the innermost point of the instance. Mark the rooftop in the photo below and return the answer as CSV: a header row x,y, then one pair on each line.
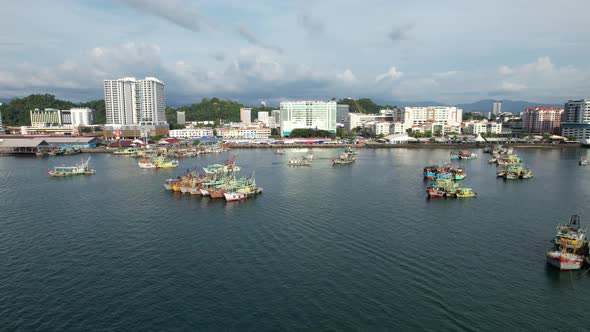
x,y
21,142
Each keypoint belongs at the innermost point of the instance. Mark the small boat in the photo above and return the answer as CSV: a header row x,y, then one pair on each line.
x,y
80,169
300,150
158,162
344,158
454,155
465,193
467,155
168,183
233,196
350,150
280,151
308,157
435,192
299,162
569,246
583,162
128,151
492,161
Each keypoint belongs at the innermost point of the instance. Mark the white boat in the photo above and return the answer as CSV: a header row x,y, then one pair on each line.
x,y
300,162
230,197
299,150
569,246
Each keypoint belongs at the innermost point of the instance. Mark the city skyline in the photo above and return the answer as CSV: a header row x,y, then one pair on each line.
x,y
300,50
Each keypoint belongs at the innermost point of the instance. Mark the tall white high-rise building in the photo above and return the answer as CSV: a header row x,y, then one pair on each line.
x,y
307,114
276,115
246,115
497,108
81,116
263,117
129,101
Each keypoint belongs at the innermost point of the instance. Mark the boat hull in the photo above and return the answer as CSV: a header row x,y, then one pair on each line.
x,y
564,262
231,197
216,194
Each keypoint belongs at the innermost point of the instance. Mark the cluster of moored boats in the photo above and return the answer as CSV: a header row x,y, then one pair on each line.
x,y
569,247
510,166
216,181
445,182
348,156
175,151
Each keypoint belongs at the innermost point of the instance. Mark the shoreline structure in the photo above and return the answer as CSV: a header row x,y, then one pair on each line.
x,y
372,146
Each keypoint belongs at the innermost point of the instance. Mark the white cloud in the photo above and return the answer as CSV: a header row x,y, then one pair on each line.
x,y
512,87
392,74
346,76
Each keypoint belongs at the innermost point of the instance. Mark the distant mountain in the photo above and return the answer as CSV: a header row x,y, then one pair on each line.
x,y
507,106
5,100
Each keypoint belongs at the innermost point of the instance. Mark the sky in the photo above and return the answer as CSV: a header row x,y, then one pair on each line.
x,y
453,51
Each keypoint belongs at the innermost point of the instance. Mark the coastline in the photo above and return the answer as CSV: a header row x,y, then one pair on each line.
x,y
374,146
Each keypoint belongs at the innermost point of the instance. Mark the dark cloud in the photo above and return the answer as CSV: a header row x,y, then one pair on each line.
x,y
219,56
179,12
311,24
252,39
400,33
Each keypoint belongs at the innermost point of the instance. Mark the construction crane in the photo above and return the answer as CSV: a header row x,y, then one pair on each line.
x,y
356,104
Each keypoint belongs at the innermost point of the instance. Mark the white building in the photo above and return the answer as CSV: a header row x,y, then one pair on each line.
x,y
482,127
382,128
48,117
263,117
246,115
397,127
132,102
243,133
180,117
191,133
411,116
355,120
307,114
497,108
82,116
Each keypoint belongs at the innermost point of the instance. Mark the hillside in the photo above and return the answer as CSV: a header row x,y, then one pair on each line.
x,y
507,106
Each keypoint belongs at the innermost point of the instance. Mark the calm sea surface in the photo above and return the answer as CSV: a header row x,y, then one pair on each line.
x,y
354,247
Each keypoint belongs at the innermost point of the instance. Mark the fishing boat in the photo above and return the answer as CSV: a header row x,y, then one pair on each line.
x,y
465,193
344,158
233,196
467,155
157,162
299,162
430,172
492,161
80,169
583,162
168,183
569,246
128,151
454,155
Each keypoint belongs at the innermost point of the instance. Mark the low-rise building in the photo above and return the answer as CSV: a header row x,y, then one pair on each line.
x,y
397,127
191,133
243,133
382,128
482,127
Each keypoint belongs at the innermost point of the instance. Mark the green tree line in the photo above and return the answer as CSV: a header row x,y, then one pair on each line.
x,y
16,112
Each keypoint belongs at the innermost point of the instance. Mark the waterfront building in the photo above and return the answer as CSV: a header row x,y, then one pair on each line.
x,y
397,127
542,120
135,108
382,128
342,111
308,114
576,120
411,116
2,131
482,127
263,117
180,118
496,108
48,117
246,115
243,133
81,116
191,133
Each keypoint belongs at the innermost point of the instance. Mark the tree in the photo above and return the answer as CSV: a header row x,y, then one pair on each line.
x,y
196,142
85,130
308,132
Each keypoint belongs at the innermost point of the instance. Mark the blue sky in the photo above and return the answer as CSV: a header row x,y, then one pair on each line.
x,y
448,51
